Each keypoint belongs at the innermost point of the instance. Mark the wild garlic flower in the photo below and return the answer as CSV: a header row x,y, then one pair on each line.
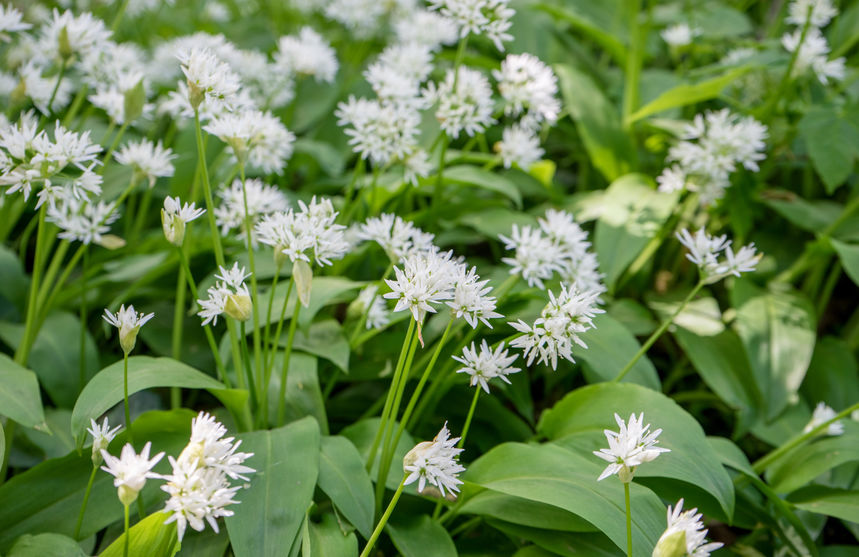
x,y
822,12
519,146
814,56
679,34
378,315
435,462
479,17
307,54
262,200
528,86
464,103
124,100
704,251
174,217
822,414
425,280
210,448
684,536
416,165
67,35
362,17
536,258
102,435
410,64
81,220
228,295
39,89
130,471
426,28
128,321
149,160
399,238
382,132
208,77
560,323
256,138
628,448
11,22
470,298
310,232
486,364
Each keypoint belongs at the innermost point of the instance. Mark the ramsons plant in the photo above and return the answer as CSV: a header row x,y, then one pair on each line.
x,y
254,252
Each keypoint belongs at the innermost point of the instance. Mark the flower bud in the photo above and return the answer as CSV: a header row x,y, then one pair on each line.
x,y
128,338
196,96
625,474
671,544
238,306
303,276
111,242
127,495
413,455
174,228
65,47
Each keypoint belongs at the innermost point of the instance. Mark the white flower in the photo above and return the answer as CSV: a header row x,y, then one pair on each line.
x,y
416,165
470,298
629,448
528,85
102,435
435,463
479,17
228,295
684,536
704,251
672,179
679,35
208,77
361,17
10,22
174,217
262,200
486,364
464,102
814,55
426,278
822,12
378,316
128,321
81,220
426,28
149,160
39,89
255,137
130,470
307,54
67,35
536,258
520,146
311,232
399,238
381,131
822,414
208,447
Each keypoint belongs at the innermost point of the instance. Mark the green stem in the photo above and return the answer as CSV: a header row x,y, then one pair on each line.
x,y
363,320
384,520
277,331
178,328
78,101
284,372
469,417
118,18
80,521
257,367
657,333
125,396
22,354
246,364
267,343
127,536
83,320
632,71
768,109
348,201
628,520
113,146
62,73
207,187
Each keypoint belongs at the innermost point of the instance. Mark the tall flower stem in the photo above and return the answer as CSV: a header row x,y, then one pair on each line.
x,y
277,331
780,90
83,319
113,146
246,365
80,520
22,353
445,140
384,520
658,333
125,396
127,537
284,372
267,346
176,338
628,520
63,66
349,198
257,367
207,189
469,417
632,71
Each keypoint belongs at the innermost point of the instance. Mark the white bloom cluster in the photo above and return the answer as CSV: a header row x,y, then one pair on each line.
x,y
562,320
174,217
704,251
486,364
199,486
66,36
262,199
229,294
628,448
471,300
814,55
679,34
81,220
149,160
427,278
817,12
383,132
685,535
40,89
520,146
397,74
559,245
306,54
528,85
712,147
130,471
378,316
122,94
399,238
479,17
464,100
102,435
256,138
426,28
822,414
10,22
310,232
435,463
208,78
128,321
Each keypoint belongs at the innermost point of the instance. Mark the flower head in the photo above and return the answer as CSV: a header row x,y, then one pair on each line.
x,y
130,470
519,146
174,217
818,12
426,279
486,364
679,34
128,321
435,463
685,535
822,414
10,22
813,55
529,86
307,54
309,232
471,300
102,435
378,315
632,446
229,295
479,17
704,251
399,238
262,199
256,138
149,160
464,102
209,78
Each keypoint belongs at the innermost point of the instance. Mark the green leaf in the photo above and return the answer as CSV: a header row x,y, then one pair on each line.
x,y
144,372
684,95
833,374
805,463
150,537
597,120
362,432
731,455
475,176
778,331
582,415
565,544
421,536
577,16
343,478
327,540
810,215
494,221
845,30
41,545
840,503
832,141
14,283
553,475
326,340
632,214
849,256
272,510
520,510
19,394
303,394
610,347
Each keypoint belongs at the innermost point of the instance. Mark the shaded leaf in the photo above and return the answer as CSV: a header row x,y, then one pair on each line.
x,y
421,536
610,347
19,394
475,176
343,478
41,545
684,95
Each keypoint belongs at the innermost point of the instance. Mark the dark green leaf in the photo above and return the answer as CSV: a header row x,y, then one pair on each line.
x,y
475,176
19,394
343,478
684,95
832,142
327,540
43,545
610,347
421,536
849,255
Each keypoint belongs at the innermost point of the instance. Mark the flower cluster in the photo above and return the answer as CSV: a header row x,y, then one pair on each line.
x,y
102,435
435,462
486,364
399,238
822,414
479,17
256,138
131,470
262,199
310,232
628,448
464,99
378,316
228,295
174,217
685,535
680,34
307,54
704,251
148,160
807,42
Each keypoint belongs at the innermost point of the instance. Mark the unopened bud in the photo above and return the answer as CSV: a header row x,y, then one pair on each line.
x,y
303,276
413,455
671,544
196,96
127,495
128,338
625,474
238,306
111,242
65,47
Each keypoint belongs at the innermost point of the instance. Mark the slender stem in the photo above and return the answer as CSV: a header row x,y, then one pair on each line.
x,y
786,78
118,17
258,379
628,520
632,72
83,319
469,417
360,324
657,333
267,343
22,354
113,146
348,200
178,328
384,520
79,99
80,521
125,396
62,73
207,187
127,537
284,372
277,331
246,363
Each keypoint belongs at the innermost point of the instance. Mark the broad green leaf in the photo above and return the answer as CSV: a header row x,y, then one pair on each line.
x,y
327,540
326,340
273,507
48,497
520,510
832,140
2,446
584,22
566,544
43,545
833,374
805,463
684,95
325,291
475,176
701,316
553,475
731,455
19,394
330,159
582,415
810,215
718,21
845,30
303,394
207,542
344,479
14,283
840,503
597,120
362,432
494,221
610,347
778,331
632,214
144,372
849,256
150,537
420,536
57,441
